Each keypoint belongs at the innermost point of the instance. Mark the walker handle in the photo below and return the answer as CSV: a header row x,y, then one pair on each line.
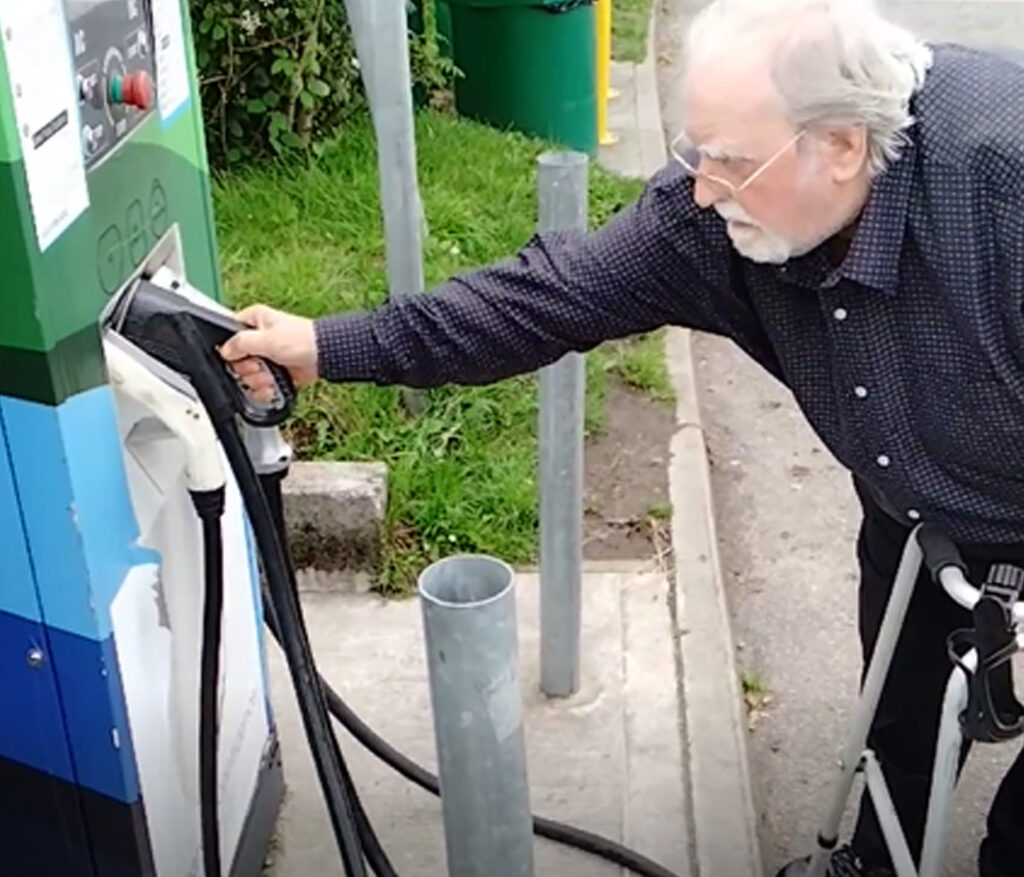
x,y
939,551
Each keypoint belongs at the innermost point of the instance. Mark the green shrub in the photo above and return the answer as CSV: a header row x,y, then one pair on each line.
x,y
281,76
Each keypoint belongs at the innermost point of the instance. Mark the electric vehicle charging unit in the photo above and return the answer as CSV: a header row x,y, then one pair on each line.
x,y
103,177
166,405
979,702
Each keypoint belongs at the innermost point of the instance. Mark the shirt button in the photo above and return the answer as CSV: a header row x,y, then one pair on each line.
x,y
860,392
883,460
840,314
913,514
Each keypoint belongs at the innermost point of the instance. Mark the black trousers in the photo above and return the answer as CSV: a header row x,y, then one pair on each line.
x,y
905,729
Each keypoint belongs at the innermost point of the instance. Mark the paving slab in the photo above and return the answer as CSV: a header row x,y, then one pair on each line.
x,y
608,759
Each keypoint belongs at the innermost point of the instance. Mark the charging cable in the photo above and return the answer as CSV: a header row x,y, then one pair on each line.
x,y
271,457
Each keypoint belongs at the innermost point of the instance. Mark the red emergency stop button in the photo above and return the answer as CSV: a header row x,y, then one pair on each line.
x,y
135,90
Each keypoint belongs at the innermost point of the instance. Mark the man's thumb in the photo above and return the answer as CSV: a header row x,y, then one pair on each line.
x,y
259,316
249,342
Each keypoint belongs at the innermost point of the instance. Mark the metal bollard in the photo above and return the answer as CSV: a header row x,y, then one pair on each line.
x,y
562,202
469,617
379,28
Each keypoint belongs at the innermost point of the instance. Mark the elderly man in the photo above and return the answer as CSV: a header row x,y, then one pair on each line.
x,y
847,205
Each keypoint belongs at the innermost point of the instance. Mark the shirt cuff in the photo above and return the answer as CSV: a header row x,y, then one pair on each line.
x,y
346,348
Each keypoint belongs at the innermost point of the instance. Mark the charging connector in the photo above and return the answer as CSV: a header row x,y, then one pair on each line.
x,y
153,313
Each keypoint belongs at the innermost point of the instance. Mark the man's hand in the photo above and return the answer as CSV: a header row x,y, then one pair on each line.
x,y
285,339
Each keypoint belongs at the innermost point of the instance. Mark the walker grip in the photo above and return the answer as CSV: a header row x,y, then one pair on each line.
x,y
939,551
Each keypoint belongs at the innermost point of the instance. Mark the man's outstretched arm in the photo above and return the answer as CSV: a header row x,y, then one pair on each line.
x,y
659,261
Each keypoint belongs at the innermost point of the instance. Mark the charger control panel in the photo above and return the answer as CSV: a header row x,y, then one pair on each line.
x,y
112,43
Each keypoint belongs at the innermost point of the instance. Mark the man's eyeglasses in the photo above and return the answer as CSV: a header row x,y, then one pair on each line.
x,y
690,157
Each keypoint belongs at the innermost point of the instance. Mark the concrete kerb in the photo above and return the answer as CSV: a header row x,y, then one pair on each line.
x,y
723,817
334,513
724,825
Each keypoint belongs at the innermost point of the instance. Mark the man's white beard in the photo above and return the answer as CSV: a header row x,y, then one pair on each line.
x,y
754,241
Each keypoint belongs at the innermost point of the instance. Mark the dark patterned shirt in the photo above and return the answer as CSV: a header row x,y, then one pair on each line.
x,y
907,359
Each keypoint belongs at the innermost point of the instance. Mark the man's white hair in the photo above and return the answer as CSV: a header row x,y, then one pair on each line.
x,y
834,63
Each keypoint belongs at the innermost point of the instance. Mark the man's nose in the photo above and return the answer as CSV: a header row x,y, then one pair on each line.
x,y
706,193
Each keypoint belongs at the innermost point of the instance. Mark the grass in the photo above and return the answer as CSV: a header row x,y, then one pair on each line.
x,y
309,239
640,362
629,29
757,698
753,684
661,511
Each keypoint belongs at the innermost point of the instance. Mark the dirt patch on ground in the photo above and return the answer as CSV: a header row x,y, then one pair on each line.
x,y
625,497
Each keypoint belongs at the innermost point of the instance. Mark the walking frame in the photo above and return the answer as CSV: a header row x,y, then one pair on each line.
x,y
979,704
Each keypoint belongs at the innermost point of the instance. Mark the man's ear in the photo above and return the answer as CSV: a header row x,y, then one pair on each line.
x,y
847,150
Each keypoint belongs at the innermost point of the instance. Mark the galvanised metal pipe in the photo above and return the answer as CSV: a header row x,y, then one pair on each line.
x,y
562,206
469,618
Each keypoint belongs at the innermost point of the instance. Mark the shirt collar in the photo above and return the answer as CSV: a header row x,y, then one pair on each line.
x,y
874,256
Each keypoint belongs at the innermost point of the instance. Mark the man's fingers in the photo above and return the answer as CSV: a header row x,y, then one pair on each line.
x,y
261,387
244,344
244,368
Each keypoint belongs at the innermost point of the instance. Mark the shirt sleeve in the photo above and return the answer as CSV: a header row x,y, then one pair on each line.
x,y
657,262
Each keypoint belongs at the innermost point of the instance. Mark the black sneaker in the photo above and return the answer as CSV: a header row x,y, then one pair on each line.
x,y
842,863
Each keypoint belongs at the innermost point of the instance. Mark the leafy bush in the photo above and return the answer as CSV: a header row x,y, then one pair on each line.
x,y
280,76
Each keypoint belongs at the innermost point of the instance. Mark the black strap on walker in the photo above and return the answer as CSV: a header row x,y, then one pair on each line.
x,y
993,712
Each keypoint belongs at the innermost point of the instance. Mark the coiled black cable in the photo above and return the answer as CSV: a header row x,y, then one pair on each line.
x,y
567,835
375,853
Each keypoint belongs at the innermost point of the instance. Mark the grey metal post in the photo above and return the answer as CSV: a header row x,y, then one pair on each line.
x,y
562,203
380,32
387,29
469,618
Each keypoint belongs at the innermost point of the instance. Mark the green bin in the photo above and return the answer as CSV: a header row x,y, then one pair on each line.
x,y
528,65
444,27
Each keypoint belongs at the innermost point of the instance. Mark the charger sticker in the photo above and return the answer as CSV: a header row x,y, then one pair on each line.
x,y
46,112
171,65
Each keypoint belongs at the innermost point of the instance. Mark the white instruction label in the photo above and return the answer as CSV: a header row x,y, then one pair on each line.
x,y
171,66
46,112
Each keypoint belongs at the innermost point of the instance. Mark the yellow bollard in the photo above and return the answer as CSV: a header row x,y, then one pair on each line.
x,y
604,62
